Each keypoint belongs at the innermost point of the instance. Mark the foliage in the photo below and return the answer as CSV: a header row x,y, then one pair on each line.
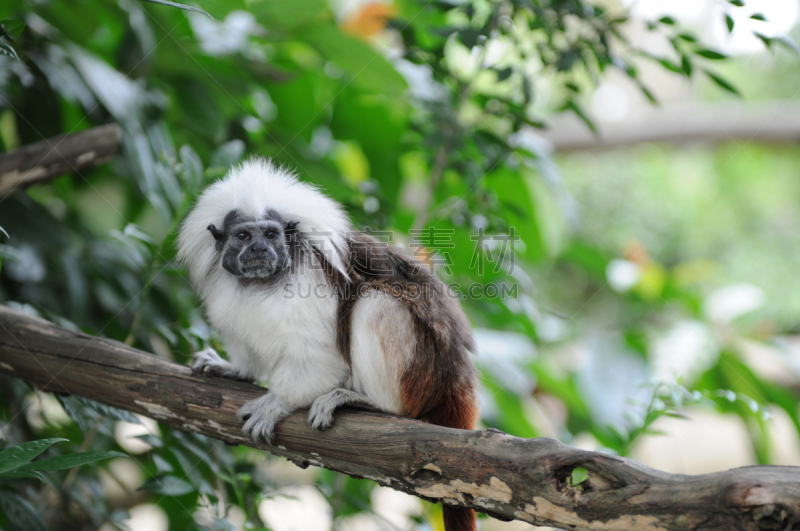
x,y
423,123
16,463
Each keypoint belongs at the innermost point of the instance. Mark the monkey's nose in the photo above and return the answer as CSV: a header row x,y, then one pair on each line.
x,y
259,247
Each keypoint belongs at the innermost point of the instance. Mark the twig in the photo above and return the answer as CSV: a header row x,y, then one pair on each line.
x,y
46,160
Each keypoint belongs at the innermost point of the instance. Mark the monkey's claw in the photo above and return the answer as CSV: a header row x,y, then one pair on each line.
x,y
206,358
320,416
260,417
209,362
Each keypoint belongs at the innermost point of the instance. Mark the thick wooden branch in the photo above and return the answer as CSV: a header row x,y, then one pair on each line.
x,y
774,122
46,160
508,477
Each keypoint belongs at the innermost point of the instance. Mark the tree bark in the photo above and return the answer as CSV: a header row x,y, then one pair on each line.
x,y
46,160
505,476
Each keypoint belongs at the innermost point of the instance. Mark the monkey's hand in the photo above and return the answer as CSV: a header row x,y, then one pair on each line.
x,y
260,417
209,362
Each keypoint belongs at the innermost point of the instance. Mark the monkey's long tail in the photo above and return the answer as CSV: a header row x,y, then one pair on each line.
x,y
458,519
457,410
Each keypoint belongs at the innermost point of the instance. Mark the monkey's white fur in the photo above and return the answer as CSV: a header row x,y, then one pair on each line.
x,y
287,335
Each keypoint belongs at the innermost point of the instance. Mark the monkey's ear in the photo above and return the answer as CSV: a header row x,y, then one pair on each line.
x,y
291,233
218,234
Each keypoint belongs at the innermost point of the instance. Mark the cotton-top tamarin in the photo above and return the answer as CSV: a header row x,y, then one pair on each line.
x,y
324,314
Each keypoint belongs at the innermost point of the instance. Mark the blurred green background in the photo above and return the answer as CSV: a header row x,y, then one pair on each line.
x,y
651,307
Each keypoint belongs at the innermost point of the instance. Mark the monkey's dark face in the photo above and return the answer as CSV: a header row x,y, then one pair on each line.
x,y
255,248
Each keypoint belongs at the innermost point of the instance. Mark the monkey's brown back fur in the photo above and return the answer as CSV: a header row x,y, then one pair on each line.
x,y
439,383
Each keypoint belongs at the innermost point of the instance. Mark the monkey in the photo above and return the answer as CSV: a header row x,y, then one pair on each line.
x,y
326,315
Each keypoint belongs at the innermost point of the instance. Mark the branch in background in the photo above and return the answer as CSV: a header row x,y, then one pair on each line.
x,y
46,160
508,477
673,123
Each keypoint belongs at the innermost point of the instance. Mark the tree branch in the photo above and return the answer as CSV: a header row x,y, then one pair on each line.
x,y
508,477
777,122
46,160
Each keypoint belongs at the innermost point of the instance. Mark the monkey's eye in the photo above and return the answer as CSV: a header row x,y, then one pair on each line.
x,y
244,235
271,234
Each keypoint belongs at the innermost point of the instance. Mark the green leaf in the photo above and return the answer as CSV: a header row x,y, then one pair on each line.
x,y
571,105
647,94
168,486
228,154
6,49
193,166
669,65
85,412
687,37
723,83
11,29
579,475
667,20
469,37
517,194
135,233
711,54
20,513
289,13
686,65
368,68
108,411
153,440
758,16
504,74
567,60
63,462
675,415
75,411
13,457
21,475
630,70
737,3
162,465
729,22
763,38
527,89
179,6
188,468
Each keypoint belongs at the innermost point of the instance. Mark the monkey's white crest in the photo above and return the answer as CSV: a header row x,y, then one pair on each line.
x,y
253,188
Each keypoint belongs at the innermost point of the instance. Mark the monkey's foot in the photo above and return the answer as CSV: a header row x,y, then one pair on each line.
x,y
320,416
260,417
209,362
